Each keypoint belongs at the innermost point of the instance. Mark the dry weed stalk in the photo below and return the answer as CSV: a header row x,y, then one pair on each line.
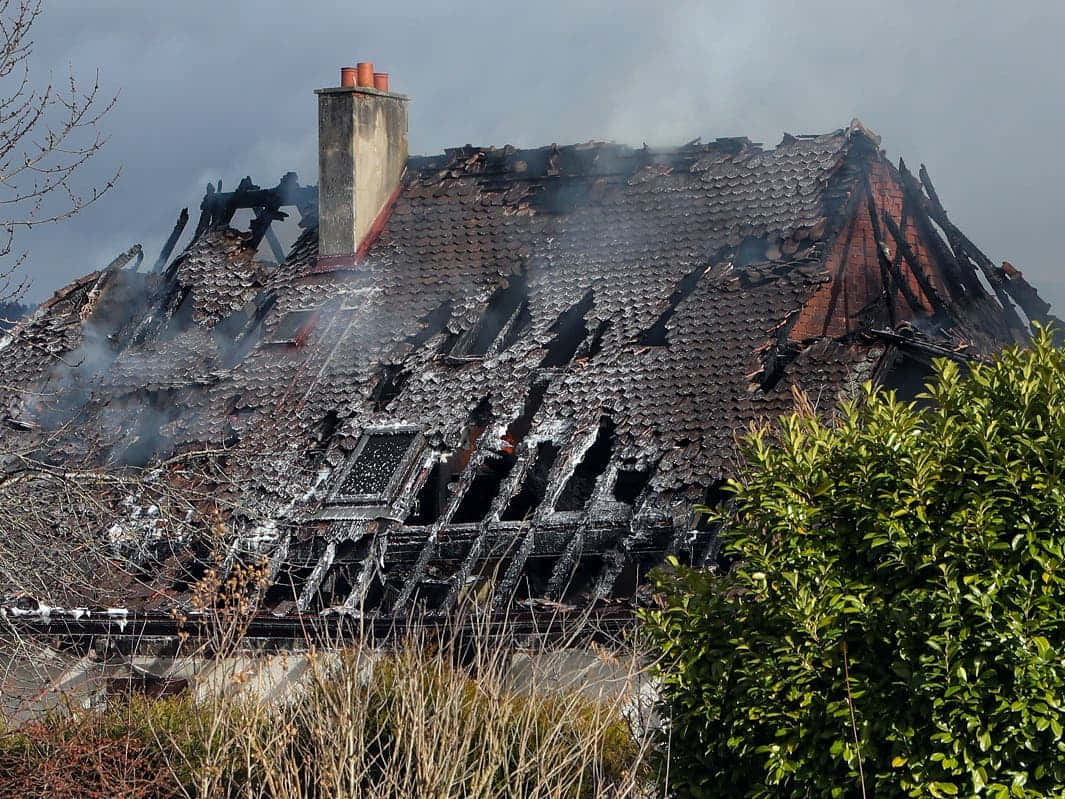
x,y
442,715
436,712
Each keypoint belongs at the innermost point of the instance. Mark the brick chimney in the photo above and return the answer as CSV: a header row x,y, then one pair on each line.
x,y
362,151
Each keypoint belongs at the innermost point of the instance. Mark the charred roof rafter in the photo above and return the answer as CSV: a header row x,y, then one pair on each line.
x,y
582,563
629,487
891,264
969,258
582,481
656,335
904,250
571,331
471,457
473,489
534,484
171,242
502,311
218,207
484,491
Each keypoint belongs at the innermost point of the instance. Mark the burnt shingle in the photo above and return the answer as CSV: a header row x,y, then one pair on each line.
x,y
671,297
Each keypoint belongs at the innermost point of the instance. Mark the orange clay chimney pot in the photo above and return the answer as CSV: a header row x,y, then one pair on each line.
x,y
347,77
380,81
365,73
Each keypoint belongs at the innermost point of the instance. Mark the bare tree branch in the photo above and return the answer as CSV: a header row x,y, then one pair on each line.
x,y
47,134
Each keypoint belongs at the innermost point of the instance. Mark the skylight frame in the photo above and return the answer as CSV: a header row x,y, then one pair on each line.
x,y
400,473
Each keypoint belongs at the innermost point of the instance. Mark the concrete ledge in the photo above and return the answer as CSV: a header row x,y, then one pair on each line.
x,y
362,90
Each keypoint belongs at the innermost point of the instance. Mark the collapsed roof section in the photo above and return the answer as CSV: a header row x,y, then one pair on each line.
x,y
535,365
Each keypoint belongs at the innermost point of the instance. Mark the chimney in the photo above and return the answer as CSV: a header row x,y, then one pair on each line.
x,y
362,151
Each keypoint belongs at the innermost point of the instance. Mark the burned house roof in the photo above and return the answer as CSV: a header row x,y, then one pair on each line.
x,y
535,366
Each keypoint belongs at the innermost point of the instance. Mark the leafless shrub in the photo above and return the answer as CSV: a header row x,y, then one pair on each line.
x,y
47,134
92,536
111,538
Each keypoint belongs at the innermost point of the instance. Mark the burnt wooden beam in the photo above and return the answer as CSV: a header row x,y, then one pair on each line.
x,y
218,207
227,204
314,581
964,284
429,550
421,566
168,247
275,245
1003,279
911,259
964,248
886,282
286,193
512,576
260,227
614,562
927,347
1026,296
567,563
930,190
487,547
204,224
123,259
962,274
917,192
896,273
993,275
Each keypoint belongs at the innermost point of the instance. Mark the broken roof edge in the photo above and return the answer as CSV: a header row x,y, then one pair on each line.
x,y
142,630
418,166
509,159
288,188
721,143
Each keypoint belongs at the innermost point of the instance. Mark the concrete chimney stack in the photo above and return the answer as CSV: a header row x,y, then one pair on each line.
x,y
362,152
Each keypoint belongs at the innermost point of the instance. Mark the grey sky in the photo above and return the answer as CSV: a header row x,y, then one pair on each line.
x,y
223,88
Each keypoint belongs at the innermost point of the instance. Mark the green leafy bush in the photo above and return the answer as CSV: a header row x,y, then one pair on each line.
x,y
894,621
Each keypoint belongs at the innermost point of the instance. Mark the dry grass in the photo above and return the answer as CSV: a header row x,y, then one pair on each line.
x,y
435,716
